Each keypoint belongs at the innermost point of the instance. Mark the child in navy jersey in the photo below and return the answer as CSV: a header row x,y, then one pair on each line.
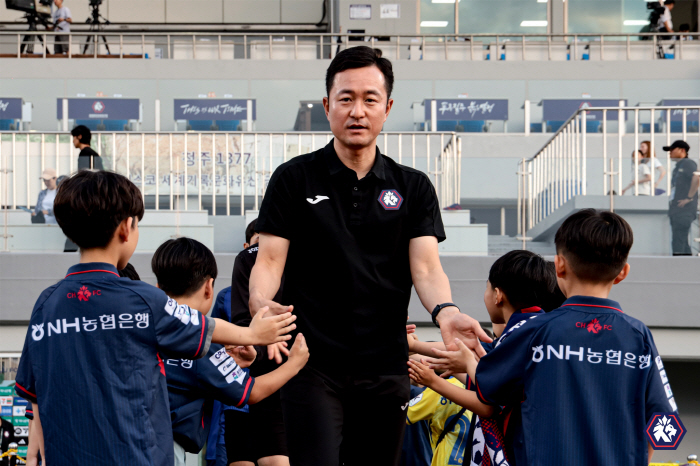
x,y
561,364
518,283
90,364
186,270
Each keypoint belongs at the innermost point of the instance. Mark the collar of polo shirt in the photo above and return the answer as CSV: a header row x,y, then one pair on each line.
x,y
335,165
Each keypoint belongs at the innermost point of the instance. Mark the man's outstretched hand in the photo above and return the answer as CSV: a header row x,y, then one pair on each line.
x,y
454,324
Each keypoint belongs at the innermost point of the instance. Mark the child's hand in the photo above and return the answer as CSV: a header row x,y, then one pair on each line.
x,y
299,354
420,373
243,355
452,362
272,329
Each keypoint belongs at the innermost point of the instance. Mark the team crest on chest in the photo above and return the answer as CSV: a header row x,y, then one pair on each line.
x,y
390,199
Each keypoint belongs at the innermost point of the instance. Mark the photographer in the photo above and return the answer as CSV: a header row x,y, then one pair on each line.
x,y
664,23
61,23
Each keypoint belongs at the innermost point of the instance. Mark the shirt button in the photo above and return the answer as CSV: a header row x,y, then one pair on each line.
x,y
355,204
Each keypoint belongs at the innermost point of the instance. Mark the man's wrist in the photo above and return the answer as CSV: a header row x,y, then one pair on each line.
x,y
446,312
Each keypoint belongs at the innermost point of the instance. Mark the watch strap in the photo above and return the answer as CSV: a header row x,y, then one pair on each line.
x,y
437,310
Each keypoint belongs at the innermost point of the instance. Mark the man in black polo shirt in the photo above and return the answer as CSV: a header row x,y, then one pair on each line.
x,y
376,230
87,158
683,208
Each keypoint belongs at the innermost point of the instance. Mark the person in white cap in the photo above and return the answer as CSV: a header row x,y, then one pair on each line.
x,y
44,203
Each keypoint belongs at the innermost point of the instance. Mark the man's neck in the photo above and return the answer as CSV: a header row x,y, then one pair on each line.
x,y
508,312
360,160
83,146
105,255
576,287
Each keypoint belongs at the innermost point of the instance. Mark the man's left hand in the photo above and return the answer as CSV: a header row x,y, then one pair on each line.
x,y
454,324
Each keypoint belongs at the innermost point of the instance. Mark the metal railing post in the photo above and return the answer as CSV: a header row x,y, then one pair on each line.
x,y
583,152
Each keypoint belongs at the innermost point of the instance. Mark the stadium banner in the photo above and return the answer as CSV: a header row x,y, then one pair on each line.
x,y
677,114
212,109
562,109
468,109
99,108
10,108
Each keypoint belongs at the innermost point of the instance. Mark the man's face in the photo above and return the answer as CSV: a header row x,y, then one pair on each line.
x,y
678,153
76,141
357,106
58,3
670,6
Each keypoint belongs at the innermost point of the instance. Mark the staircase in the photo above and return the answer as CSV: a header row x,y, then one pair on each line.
x,y
499,245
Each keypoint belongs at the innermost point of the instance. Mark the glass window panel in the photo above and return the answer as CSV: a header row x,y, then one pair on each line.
x,y
501,16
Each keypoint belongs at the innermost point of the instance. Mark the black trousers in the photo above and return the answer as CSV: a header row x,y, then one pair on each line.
x,y
60,45
343,420
680,228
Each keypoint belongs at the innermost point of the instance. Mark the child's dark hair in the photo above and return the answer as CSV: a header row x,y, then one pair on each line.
x,y
84,133
182,265
596,244
360,57
250,231
129,272
525,278
91,204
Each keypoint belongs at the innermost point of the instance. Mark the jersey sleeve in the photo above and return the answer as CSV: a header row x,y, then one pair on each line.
x,y
25,382
659,396
277,215
181,331
425,216
499,374
223,379
423,406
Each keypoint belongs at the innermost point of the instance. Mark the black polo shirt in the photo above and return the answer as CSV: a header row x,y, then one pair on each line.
x,y
681,179
347,272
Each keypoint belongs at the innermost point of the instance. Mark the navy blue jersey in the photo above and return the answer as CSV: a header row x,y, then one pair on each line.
x,y
91,361
589,378
194,385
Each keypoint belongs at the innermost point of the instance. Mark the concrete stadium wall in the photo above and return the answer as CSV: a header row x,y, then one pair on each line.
x,y
279,86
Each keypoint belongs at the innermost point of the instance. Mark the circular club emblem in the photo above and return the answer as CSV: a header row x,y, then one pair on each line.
x,y
98,107
390,199
665,431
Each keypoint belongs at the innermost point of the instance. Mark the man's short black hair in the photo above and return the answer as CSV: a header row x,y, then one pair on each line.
x,y
525,278
596,244
182,265
91,204
669,2
250,230
84,133
360,57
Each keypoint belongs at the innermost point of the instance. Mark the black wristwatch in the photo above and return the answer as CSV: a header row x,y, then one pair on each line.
x,y
439,308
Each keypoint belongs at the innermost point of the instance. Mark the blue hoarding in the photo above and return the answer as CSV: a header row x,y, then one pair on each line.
x,y
677,114
10,108
99,109
562,109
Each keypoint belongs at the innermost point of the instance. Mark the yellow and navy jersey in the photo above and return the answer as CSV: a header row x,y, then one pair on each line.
x,y
438,411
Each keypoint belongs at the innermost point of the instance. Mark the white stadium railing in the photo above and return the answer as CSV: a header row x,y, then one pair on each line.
x,y
560,170
177,170
309,46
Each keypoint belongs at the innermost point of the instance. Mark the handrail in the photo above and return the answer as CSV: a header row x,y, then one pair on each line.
x,y
559,172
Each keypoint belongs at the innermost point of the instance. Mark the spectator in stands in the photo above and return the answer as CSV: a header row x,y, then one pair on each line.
x,y
643,175
61,23
684,197
665,24
685,27
44,204
87,158
644,147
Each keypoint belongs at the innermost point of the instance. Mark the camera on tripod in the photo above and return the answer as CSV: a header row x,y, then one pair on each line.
x,y
657,9
95,3
40,8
